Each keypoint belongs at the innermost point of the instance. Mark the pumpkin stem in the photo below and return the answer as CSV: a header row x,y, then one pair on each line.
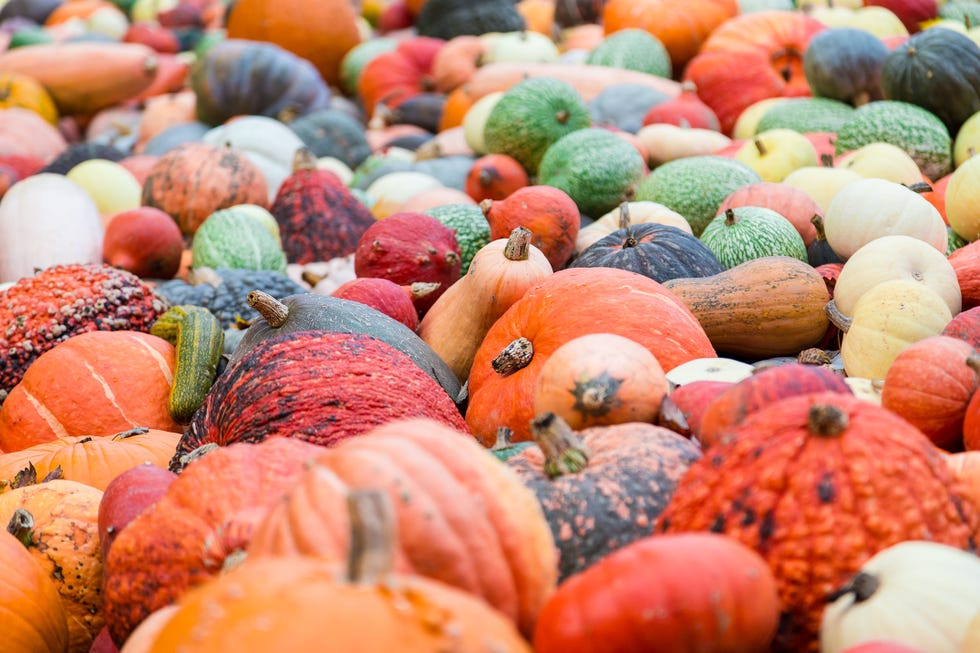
x,y
688,86
562,117
139,430
420,289
863,586
826,420
813,356
21,526
920,187
973,362
485,206
760,146
860,99
311,278
503,441
671,416
304,159
827,160
730,217
817,222
197,454
518,244
488,176
372,536
271,309
515,356
625,222
564,451
233,559
839,320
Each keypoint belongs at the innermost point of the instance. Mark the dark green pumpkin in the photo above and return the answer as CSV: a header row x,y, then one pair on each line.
x,y
444,19
661,252
331,132
603,487
79,152
240,77
844,63
939,70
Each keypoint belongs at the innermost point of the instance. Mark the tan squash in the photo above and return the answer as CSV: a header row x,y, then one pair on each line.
x,y
499,274
769,306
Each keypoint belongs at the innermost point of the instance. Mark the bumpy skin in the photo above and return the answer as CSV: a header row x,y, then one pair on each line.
x,y
38,312
817,506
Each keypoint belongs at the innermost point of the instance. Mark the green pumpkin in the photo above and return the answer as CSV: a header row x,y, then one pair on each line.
x,y
471,227
805,115
444,19
632,49
237,238
749,232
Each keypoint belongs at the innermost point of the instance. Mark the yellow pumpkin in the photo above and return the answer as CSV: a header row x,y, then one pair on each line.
x,y
20,90
963,199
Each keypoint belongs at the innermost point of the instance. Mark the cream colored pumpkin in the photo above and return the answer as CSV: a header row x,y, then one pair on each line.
x,y
881,161
871,208
390,191
822,183
748,120
112,187
710,369
917,593
519,46
896,257
888,318
665,142
476,119
639,212
963,199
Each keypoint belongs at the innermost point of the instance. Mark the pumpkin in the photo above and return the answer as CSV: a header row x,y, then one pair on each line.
x,y
94,383
30,608
971,424
550,214
742,316
204,516
746,233
126,496
390,78
486,534
90,460
730,408
383,295
193,180
20,90
966,469
752,57
445,19
145,241
563,306
727,602
966,264
320,32
58,523
639,213
24,132
961,200
498,275
599,379
844,63
77,298
601,488
686,404
817,484
494,177
289,596
686,110
886,598
333,133
792,203
279,84
965,327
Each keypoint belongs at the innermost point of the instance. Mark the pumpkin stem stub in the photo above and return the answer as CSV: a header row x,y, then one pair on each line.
x,y
271,309
304,159
515,356
372,536
826,420
21,526
197,454
564,451
518,244
863,586
839,320
139,430
503,441
730,217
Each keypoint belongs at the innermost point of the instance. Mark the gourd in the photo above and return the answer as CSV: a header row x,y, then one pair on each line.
x,y
742,315
499,274
237,238
639,213
844,63
29,604
738,235
445,19
550,214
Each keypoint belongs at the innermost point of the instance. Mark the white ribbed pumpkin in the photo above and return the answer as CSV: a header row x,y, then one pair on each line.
x,y
921,594
47,219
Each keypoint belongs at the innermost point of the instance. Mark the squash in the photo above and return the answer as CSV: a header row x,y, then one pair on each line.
x,y
391,78
769,306
844,63
21,90
30,607
792,203
548,212
962,200
499,275
745,233
887,598
446,19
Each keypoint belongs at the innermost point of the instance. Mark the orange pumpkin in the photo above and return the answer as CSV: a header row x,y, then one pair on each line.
x,y
91,460
93,383
392,77
193,180
682,28
568,304
321,31
161,112
966,264
550,214
58,522
31,611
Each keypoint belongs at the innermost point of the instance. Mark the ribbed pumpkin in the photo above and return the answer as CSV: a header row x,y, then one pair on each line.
x,y
317,386
485,531
817,484
58,522
319,218
193,180
320,32
565,305
844,63
33,615
90,460
207,514
603,487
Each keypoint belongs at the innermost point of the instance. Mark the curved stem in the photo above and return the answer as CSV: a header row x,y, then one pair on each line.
x,y
518,244
372,536
139,430
271,309
564,451
839,320
21,526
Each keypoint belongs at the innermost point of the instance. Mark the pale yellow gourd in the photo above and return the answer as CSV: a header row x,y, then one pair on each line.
x,y
636,213
499,274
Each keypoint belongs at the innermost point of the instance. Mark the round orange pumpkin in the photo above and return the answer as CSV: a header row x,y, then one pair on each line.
x,y
33,617
93,383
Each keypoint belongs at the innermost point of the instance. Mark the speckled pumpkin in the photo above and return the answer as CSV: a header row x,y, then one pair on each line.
x,y
33,615
317,386
59,522
603,487
193,180
817,484
207,514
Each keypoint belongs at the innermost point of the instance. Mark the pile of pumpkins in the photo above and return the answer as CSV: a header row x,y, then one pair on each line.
x,y
549,325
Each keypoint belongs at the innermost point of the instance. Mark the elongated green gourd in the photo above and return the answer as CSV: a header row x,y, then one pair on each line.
x,y
197,335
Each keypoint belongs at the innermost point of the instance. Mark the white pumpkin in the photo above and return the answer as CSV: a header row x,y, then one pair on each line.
x,y
47,219
822,183
728,370
881,161
519,46
920,594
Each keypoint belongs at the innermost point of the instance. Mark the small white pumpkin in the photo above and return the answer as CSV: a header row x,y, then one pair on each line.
x,y
639,212
921,594
729,370
822,183
881,161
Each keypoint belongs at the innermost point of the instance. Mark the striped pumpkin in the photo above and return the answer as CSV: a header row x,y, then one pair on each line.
x,y
94,383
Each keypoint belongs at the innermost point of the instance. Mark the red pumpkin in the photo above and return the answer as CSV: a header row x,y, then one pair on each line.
x,y
965,325
383,295
966,264
126,496
683,593
690,401
392,77
550,214
494,177
146,241
965,466
685,110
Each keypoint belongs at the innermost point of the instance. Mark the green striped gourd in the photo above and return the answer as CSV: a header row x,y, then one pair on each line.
x,y
236,238
750,232
198,339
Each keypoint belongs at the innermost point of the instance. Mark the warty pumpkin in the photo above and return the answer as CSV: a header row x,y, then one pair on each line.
x,y
602,487
207,514
32,612
565,305
58,523
817,484
484,530
384,295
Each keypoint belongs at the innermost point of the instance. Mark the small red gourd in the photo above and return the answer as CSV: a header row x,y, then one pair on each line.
x,y
685,110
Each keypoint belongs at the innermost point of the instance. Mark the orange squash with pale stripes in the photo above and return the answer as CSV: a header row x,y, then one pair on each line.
x,y
94,383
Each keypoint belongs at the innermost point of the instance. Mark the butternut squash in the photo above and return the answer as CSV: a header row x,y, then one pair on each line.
x,y
499,274
769,306
84,77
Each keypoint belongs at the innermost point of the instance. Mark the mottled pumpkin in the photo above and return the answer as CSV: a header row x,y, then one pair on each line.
x,y
31,611
603,487
207,514
817,484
